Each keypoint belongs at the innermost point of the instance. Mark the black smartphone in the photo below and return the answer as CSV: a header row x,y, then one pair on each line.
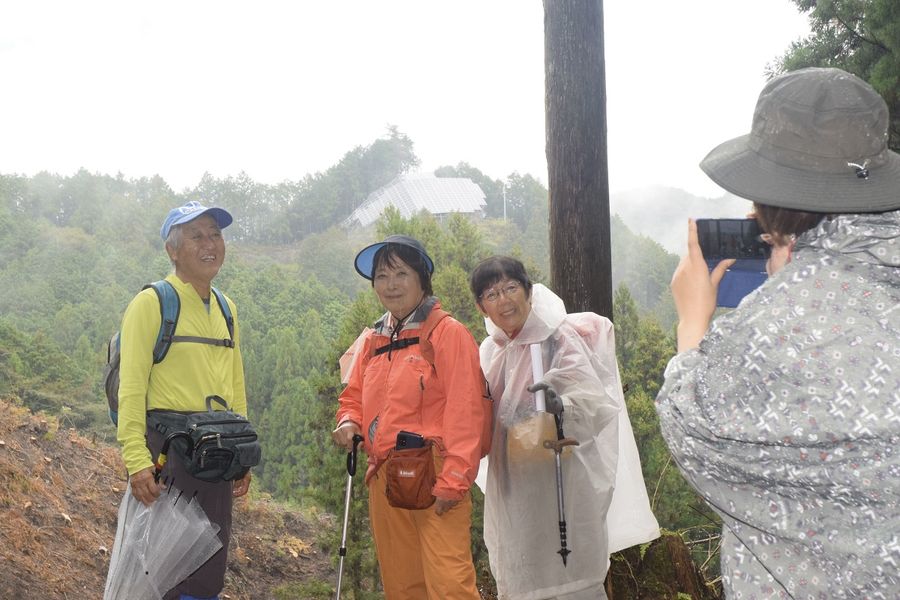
x,y
731,238
408,439
739,239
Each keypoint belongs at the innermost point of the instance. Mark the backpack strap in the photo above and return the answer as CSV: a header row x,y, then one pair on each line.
x,y
226,312
424,337
170,309
397,345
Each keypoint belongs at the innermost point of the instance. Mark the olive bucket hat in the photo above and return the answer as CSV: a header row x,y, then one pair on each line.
x,y
364,262
818,143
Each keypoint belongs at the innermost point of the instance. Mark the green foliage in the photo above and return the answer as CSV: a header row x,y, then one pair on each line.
x,y
324,466
525,196
516,214
35,370
859,36
325,199
308,590
643,349
479,550
329,257
646,269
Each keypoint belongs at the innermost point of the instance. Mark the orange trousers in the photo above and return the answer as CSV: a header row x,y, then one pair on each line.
x,y
422,556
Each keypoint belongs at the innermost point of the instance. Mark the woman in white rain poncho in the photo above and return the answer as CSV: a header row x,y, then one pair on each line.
x,y
581,377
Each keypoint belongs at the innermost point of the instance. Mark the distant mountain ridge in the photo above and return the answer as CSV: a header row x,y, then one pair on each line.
x,y
661,213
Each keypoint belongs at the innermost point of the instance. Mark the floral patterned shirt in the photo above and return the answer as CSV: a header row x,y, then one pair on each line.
x,y
786,419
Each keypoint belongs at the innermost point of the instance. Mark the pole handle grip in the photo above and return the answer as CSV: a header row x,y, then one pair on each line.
x,y
351,456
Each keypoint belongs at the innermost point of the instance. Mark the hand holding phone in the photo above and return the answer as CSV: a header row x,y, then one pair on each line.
x,y
739,239
694,287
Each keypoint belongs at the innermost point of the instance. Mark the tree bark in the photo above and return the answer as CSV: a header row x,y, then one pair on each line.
x,y
660,570
580,265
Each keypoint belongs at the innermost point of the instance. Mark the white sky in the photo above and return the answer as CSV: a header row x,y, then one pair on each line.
x,y
284,89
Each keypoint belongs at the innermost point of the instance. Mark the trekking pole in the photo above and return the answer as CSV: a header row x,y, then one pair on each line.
x,y
557,446
351,471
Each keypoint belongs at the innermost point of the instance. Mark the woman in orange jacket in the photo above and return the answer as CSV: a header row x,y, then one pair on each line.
x,y
417,371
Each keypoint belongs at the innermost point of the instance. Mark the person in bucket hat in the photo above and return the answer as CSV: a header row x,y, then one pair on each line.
x,y
416,372
187,375
783,413
818,144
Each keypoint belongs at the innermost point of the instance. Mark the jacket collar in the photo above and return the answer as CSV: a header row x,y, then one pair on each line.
x,y
387,323
870,238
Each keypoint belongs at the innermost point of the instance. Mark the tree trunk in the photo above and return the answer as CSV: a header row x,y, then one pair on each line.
x,y
660,570
580,265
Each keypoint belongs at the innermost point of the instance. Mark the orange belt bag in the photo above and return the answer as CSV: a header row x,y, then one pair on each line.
x,y
410,477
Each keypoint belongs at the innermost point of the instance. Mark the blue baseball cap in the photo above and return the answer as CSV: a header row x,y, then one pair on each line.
x,y
189,212
364,262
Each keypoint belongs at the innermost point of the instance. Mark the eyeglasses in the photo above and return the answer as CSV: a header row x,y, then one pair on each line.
x,y
493,294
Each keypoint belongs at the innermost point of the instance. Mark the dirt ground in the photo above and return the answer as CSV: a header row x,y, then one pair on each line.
x,y
59,499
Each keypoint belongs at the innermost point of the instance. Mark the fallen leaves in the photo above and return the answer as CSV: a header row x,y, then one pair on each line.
x,y
293,546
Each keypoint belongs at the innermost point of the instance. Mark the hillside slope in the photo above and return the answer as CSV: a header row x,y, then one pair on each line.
x,y
59,498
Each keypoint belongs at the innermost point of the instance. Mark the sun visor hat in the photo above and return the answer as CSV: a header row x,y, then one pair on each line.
x,y
189,212
365,260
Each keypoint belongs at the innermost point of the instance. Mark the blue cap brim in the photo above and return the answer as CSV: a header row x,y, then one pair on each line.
x,y
365,260
223,219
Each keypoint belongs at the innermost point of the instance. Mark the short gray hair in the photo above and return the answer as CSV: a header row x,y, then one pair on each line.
x,y
174,238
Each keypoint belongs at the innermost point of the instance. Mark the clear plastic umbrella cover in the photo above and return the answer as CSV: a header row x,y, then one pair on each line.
x,y
157,547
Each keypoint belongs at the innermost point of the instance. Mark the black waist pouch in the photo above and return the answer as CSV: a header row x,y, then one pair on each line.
x,y
216,445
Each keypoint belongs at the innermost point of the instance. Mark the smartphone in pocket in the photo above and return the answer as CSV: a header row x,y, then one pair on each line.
x,y
740,239
408,439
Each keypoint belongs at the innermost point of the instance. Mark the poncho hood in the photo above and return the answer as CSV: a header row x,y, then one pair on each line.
x,y
868,238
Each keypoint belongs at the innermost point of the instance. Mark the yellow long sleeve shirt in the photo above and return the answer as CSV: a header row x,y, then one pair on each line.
x,y
189,373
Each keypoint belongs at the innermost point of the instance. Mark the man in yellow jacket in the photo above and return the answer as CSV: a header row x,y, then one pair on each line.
x,y
182,381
